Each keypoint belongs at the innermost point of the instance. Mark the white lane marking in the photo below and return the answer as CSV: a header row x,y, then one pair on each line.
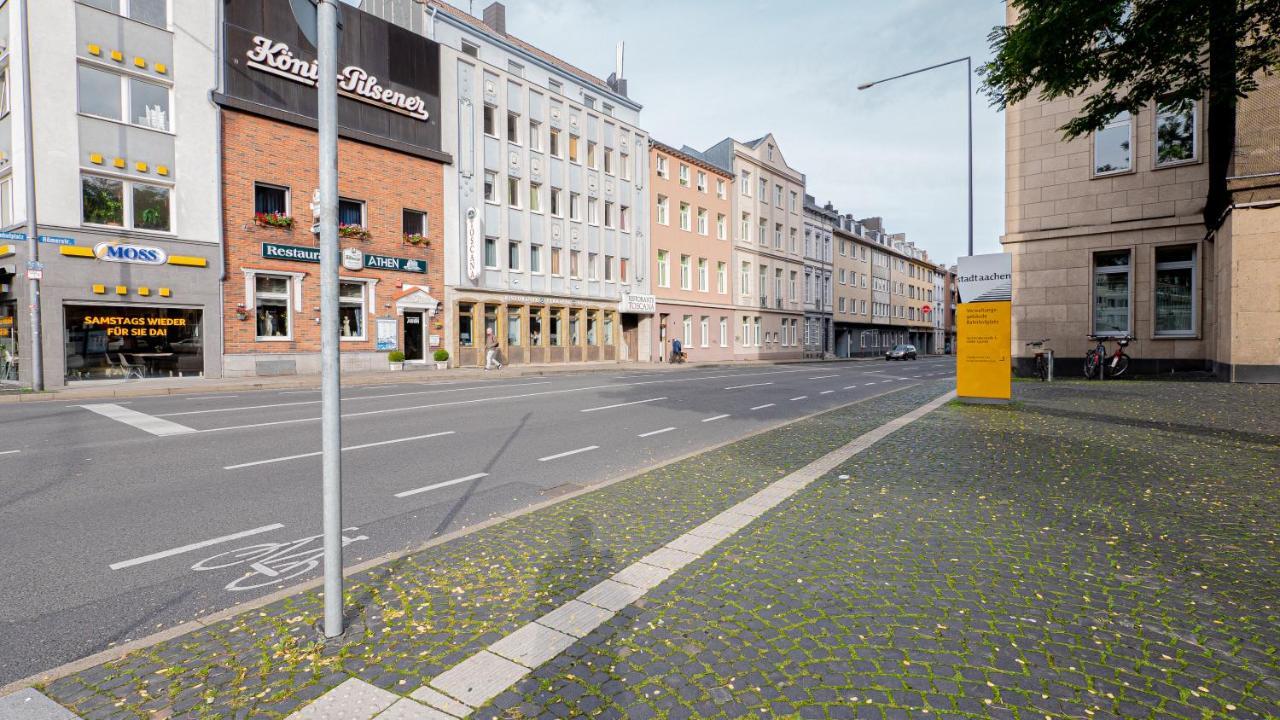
x,y
439,485
867,384
345,399
761,407
715,417
557,456
799,397
824,377
739,387
297,392
202,397
345,449
651,433
194,546
9,452
142,421
452,403
826,392
618,405
849,387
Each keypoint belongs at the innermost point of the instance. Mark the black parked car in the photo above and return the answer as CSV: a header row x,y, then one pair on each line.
x,y
901,352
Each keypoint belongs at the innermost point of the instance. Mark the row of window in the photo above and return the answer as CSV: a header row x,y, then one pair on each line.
x,y
271,199
275,304
556,146
686,273
615,216
751,333
613,267
562,326
704,334
123,98
662,216
745,184
663,168
1174,292
151,12
744,233
1175,135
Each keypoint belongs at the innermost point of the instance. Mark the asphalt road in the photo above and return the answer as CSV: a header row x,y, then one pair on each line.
x,y
120,519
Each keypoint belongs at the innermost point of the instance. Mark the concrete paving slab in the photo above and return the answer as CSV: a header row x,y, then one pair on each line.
x,y
407,709
352,700
479,678
576,618
438,700
30,704
611,595
532,645
642,575
669,558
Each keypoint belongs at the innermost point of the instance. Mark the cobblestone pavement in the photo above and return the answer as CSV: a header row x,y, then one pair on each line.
x,y
1102,550
420,616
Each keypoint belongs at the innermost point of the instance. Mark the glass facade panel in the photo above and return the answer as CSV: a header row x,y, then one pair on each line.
x,y
151,207
1111,293
1175,291
99,92
103,200
115,341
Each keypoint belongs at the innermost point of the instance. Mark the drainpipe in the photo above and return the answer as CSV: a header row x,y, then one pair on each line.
x,y
36,351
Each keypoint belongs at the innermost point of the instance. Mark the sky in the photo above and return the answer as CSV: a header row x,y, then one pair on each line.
x,y
707,69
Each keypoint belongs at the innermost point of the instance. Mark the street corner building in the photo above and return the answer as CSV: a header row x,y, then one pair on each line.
x,y
391,174
1108,239
546,204
127,257
692,254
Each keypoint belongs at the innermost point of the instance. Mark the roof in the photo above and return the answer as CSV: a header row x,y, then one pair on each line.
x,y
688,154
478,25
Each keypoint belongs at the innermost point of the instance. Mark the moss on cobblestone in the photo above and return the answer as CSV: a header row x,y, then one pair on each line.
x,y
1098,551
428,611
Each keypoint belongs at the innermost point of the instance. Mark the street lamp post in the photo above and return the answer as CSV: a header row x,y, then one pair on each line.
x,y
968,63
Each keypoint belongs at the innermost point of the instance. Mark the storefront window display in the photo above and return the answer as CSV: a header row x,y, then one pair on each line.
x,y
271,298
129,342
464,326
351,310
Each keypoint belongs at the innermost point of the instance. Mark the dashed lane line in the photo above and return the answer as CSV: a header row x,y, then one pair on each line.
x,y
751,385
799,397
761,407
437,486
9,452
651,433
345,449
345,399
567,453
715,417
824,377
826,392
624,404
193,546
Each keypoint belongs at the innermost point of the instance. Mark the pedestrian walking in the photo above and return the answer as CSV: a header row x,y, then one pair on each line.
x,y
491,351
677,351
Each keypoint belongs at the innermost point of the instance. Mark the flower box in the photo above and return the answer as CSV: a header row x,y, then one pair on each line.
x,y
353,231
416,239
275,220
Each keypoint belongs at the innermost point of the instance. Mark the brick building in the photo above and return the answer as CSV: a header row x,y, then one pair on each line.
x,y
390,184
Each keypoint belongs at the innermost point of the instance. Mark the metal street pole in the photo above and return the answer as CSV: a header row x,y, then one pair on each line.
x,y
35,353
968,63
330,366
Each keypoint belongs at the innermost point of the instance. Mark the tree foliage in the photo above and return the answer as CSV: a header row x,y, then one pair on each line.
x,y
1125,54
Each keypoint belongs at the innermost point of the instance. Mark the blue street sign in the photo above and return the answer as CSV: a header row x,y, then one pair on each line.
x,y
13,236
55,240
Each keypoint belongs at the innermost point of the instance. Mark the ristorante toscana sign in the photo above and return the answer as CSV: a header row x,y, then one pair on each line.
x,y
355,82
388,79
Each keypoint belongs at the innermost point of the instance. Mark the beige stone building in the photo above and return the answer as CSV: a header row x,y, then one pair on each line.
x,y
768,263
1107,238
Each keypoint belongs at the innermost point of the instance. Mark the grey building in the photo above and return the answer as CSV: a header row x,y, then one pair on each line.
x,y
819,331
546,206
126,179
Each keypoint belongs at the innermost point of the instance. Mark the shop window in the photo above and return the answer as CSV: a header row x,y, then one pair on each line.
x,y
556,337
350,213
1111,293
535,326
1113,146
513,327
1175,290
1176,140
271,301
113,341
608,328
491,252
270,199
573,327
351,310
465,337
413,223
103,200
150,207
593,322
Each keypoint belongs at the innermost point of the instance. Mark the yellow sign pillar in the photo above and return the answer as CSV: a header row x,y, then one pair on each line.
x,y
982,350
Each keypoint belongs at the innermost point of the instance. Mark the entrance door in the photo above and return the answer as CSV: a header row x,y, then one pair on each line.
x,y
630,337
662,337
413,336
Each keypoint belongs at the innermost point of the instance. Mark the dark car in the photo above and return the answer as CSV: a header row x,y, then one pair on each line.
x,y
901,352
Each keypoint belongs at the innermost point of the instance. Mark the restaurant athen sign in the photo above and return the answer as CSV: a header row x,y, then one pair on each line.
x,y
277,58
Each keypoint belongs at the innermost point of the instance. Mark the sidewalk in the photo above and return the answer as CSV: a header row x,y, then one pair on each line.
x,y
426,374
1099,550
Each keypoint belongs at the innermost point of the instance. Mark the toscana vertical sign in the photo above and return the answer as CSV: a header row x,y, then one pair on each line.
x,y
983,327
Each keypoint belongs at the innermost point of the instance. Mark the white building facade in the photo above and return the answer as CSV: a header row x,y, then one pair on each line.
x,y
126,151
546,204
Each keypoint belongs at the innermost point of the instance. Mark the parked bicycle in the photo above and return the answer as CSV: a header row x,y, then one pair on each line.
x,y
1042,358
1097,363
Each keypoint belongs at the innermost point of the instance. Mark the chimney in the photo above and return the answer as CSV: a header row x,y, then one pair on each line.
x,y
495,16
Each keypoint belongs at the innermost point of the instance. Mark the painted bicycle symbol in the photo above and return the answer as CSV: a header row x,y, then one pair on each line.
x,y
273,562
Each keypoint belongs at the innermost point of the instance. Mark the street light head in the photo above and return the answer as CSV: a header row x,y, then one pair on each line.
x,y
864,86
